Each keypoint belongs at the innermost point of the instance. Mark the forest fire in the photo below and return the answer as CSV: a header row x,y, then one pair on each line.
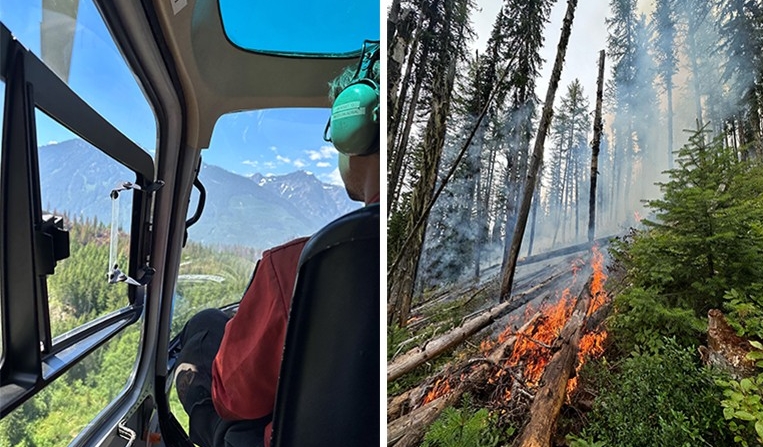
x,y
533,348
441,387
536,359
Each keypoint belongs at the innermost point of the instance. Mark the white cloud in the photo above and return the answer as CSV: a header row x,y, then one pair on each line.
x,y
269,165
325,152
333,177
273,148
283,159
299,163
323,164
252,163
52,142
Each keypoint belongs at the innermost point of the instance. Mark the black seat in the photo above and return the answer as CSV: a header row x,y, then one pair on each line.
x,y
328,389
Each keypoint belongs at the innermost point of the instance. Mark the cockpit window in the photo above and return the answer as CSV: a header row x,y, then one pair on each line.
x,y
269,178
71,38
301,27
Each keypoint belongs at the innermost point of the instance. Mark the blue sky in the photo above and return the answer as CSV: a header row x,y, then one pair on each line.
x,y
333,26
268,142
274,141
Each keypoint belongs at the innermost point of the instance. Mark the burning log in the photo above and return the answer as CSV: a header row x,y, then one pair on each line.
x,y
542,356
434,348
409,429
401,404
552,388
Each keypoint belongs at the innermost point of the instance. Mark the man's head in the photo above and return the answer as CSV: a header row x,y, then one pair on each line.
x,y
355,125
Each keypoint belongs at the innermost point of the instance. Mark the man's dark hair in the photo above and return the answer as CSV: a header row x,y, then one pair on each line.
x,y
347,77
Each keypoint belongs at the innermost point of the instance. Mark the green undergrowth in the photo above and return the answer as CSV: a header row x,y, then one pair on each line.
x,y
655,397
702,249
440,318
467,425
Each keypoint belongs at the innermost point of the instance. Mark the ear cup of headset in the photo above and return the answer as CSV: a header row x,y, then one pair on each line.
x,y
355,118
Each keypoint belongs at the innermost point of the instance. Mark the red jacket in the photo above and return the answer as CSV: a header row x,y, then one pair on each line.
x,y
245,370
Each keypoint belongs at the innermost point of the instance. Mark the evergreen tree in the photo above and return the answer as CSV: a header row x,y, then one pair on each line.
x,y
704,241
447,46
741,40
621,48
666,59
567,165
523,25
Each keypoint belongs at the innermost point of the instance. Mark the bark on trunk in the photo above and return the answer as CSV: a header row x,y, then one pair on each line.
x,y
595,146
537,157
401,281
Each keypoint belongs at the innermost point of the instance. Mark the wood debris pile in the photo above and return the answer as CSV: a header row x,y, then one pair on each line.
x,y
526,374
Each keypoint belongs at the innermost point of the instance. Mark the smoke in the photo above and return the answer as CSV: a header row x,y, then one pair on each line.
x,y
469,224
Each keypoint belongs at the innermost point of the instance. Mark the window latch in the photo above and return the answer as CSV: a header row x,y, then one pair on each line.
x,y
52,242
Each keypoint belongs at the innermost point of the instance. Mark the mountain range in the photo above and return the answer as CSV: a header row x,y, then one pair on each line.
x,y
256,211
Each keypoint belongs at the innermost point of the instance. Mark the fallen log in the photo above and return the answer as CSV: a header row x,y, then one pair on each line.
x,y
552,388
409,430
436,347
401,404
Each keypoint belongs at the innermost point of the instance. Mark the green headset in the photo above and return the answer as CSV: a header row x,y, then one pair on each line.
x,y
354,120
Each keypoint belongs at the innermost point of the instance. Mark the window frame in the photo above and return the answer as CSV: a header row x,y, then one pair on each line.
x,y
31,358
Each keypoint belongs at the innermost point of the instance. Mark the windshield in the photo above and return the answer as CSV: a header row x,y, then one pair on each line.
x,y
302,27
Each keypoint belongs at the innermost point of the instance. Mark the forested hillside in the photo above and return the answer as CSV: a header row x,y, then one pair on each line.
x,y
79,292
578,263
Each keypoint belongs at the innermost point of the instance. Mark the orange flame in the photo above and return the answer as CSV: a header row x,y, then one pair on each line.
x,y
532,348
592,344
598,295
440,388
533,345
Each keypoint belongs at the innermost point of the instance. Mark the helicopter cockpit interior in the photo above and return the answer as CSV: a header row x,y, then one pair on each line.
x,y
151,151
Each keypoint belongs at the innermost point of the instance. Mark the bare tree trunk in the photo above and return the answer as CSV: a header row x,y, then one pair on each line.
x,y
396,175
595,146
397,152
537,156
536,201
669,92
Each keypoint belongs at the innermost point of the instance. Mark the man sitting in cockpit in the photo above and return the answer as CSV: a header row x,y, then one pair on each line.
x,y
228,369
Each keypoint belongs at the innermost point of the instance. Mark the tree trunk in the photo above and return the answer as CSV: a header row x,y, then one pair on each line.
x,y
396,175
595,146
537,157
444,343
536,201
553,383
397,152
669,92
401,283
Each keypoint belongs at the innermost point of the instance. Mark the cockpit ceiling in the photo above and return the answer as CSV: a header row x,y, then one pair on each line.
x,y
219,77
